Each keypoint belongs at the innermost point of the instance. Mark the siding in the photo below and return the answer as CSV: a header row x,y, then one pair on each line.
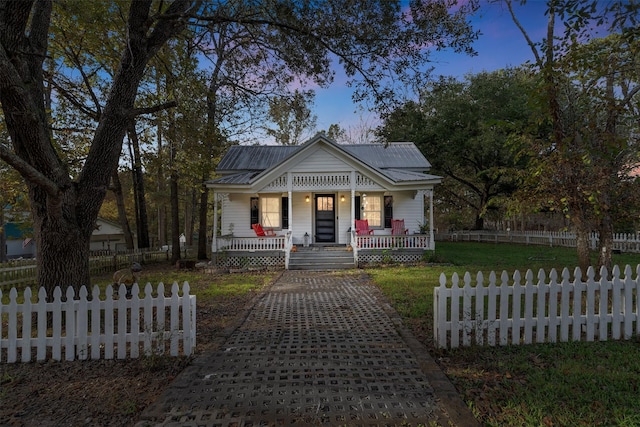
x,y
319,160
302,213
237,212
410,209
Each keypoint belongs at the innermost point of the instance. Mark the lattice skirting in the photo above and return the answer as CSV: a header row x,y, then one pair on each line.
x,y
381,257
250,259
276,259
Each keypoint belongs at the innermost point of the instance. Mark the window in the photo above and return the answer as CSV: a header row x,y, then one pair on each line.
x,y
270,212
255,212
371,208
324,203
388,211
285,213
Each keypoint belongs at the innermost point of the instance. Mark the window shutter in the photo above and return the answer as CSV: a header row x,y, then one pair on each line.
x,y
357,207
255,212
285,213
388,211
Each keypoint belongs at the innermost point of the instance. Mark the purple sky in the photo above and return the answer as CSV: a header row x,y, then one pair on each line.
x,y
500,45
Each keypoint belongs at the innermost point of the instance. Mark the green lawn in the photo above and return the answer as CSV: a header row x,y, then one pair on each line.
x,y
567,384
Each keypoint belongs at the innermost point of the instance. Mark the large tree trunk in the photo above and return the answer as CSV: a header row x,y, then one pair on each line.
x,y
161,189
142,221
122,213
190,214
479,222
202,231
605,231
583,244
3,237
175,218
64,211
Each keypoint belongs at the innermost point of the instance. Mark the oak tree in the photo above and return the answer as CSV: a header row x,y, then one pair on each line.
x,y
380,45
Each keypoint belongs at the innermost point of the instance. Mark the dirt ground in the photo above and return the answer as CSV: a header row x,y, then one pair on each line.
x,y
102,392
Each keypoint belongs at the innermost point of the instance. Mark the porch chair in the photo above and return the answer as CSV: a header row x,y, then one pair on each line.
x,y
263,232
397,227
362,227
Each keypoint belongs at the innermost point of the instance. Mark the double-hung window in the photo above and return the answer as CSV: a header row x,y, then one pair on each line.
x,y
271,211
371,210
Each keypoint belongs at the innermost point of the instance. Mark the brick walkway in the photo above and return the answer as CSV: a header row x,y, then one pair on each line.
x,y
317,349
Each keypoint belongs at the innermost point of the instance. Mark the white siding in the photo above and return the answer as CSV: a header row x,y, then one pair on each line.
x,y
236,216
411,209
319,160
302,214
344,217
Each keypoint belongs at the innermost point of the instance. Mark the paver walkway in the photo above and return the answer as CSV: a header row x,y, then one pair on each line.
x,y
321,349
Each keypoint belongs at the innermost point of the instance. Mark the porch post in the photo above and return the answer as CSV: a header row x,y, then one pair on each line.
x,y
214,238
289,201
353,201
432,244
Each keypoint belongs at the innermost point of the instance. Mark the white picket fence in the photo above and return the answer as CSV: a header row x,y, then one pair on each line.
x,y
543,309
99,327
622,242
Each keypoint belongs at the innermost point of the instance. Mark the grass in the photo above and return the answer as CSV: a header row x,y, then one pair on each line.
x,y
206,287
564,384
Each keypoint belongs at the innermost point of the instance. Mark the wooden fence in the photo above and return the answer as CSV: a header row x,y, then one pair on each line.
x,y
102,327
543,309
621,242
23,273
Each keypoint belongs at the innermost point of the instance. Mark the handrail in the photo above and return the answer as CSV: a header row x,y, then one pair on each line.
x,y
287,248
354,245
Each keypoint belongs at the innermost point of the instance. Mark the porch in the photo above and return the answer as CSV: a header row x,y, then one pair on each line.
x,y
279,252
272,201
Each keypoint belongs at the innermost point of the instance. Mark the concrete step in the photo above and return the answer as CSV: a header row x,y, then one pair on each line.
x,y
321,259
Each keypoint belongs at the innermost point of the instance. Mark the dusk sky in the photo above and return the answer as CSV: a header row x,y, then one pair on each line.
x,y
500,45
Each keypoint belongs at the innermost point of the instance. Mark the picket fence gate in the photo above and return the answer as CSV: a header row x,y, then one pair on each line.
x,y
96,328
547,310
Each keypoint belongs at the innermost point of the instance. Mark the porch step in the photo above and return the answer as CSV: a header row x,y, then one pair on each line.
x,y
321,259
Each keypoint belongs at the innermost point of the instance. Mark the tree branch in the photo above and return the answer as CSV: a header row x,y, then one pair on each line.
x,y
28,172
154,109
75,101
530,42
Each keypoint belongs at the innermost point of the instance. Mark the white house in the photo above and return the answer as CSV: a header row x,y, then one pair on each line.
x,y
311,195
107,236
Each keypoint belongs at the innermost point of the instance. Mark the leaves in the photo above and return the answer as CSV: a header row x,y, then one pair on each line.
x,y
469,132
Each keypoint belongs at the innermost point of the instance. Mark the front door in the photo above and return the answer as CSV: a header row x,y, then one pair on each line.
x,y
325,218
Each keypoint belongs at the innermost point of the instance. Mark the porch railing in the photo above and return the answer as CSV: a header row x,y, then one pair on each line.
x,y
409,241
251,244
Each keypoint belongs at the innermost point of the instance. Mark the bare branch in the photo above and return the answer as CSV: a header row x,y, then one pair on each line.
x,y
530,42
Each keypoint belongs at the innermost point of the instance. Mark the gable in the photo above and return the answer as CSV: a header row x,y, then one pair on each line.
x,y
320,160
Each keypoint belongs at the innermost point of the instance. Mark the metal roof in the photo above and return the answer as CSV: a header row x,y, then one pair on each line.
x,y
254,157
399,155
